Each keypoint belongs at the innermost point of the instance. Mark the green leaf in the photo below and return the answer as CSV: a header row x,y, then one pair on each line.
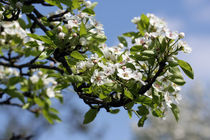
x,y
141,121
178,81
90,116
67,2
123,40
15,80
130,34
77,55
157,113
75,78
148,52
130,113
88,11
27,8
75,4
128,93
97,50
129,105
142,110
34,36
175,111
39,102
46,39
186,68
15,94
145,20
25,106
55,3
83,30
114,111
22,23
144,100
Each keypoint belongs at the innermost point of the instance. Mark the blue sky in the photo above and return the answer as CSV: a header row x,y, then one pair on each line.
x,y
189,16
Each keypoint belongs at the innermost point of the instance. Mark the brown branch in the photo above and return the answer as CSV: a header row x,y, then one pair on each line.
x,y
9,103
36,21
32,66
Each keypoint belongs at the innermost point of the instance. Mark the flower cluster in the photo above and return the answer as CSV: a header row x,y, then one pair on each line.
x,y
121,65
158,29
49,83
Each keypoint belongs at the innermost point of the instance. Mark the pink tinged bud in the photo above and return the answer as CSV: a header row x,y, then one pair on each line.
x,y
74,34
40,73
52,64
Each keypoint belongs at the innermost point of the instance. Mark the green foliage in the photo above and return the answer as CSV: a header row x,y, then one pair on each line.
x,y
90,116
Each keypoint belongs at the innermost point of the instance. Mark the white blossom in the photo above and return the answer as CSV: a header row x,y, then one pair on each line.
x,y
126,73
34,78
135,20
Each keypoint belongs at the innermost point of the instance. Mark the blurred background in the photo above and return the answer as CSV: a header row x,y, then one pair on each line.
x,y
188,16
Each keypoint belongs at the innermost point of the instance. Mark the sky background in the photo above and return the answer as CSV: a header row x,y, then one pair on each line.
x,y
188,16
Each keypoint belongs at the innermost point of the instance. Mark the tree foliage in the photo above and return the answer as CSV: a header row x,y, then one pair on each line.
x,y
41,55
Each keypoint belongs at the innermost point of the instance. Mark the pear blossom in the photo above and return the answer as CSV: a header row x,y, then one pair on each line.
x,y
185,47
83,41
138,77
50,92
34,78
98,78
135,20
168,100
61,35
126,73
177,97
172,35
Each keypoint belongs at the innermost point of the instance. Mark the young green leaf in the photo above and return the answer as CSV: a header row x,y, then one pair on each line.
x,y
141,121
123,40
77,55
90,116
186,68
128,93
175,111
83,30
88,11
54,2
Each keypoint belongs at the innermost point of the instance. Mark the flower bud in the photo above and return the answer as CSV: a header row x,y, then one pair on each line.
x,y
88,4
181,35
68,26
74,34
40,73
52,64
61,35
59,28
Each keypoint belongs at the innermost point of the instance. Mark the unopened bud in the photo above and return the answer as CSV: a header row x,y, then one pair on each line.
x,y
88,4
40,73
61,35
181,35
60,28
74,34
52,64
